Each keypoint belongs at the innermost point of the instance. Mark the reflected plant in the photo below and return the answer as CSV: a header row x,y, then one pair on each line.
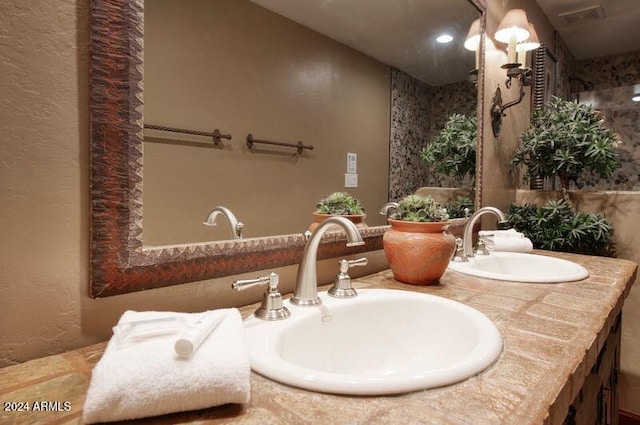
x,y
419,208
339,203
453,151
558,227
462,207
567,139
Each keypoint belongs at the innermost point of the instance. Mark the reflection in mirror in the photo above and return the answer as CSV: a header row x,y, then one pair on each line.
x,y
382,92
120,263
620,109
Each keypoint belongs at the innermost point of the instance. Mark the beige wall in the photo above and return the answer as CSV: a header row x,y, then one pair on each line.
x,y
43,177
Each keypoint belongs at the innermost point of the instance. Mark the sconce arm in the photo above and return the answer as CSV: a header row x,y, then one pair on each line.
x,y
523,76
513,102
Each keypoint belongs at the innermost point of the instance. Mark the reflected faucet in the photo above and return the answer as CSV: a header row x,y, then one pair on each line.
x,y
388,207
235,225
467,243
306,292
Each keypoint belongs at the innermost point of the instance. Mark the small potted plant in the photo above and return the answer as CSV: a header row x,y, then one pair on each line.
x,y
418,246
567,139
453,151
342,204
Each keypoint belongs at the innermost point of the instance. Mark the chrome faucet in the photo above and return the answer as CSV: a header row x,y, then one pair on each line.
x,y
386,208
467,242
235,225
306,292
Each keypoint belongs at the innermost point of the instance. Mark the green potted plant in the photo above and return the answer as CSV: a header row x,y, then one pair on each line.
x,y
567,139
453,151
339,203
461,207
558,227
418,246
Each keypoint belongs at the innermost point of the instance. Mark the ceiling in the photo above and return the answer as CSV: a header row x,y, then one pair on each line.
x,y
611,29
400,33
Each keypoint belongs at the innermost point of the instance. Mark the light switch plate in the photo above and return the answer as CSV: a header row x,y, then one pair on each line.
x,y
350,180
352,163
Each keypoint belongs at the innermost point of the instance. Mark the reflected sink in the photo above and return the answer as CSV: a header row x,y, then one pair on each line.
x,y
381,342
520,267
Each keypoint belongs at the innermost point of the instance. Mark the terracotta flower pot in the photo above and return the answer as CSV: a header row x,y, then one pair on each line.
x,y
456,226
418,252
357,219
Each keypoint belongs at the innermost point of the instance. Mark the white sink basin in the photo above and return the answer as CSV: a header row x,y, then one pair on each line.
x,y
381,342
519,267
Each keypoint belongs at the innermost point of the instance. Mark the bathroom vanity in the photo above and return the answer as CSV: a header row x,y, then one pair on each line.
x,y
558,365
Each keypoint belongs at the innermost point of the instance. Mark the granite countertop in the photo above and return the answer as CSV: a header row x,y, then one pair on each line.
x,y
552,335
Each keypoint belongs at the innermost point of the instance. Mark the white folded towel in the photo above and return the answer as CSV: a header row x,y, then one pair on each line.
x,y
146,377
506,240
511,233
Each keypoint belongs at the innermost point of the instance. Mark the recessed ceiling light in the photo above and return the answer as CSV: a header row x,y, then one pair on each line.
x,y
444,38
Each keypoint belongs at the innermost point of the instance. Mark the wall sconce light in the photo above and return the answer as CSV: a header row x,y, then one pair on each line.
x,y
513,29
523,74
636,96
531,43
516,31
472,42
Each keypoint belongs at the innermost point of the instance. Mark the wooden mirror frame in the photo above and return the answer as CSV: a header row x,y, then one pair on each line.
x,y
119,262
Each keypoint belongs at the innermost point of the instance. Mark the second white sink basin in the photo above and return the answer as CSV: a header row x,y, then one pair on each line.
x,y
381,342
520,267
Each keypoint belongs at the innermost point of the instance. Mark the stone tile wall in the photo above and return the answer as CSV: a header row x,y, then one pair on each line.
x,y
410,108
611,71
418,113
613,80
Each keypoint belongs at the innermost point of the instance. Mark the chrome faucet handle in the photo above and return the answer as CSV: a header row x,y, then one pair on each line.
x,y
481,248
271,308
459,256
352,263
239,227
342,284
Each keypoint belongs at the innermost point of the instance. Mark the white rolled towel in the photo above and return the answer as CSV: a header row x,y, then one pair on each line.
x,y
506,240
145,377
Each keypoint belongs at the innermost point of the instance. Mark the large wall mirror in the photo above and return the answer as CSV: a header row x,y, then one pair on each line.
x,y
285,71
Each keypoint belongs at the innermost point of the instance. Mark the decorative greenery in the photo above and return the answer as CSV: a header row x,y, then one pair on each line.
x,y
567,139
558,227
339,203
460,208
420,208
453,151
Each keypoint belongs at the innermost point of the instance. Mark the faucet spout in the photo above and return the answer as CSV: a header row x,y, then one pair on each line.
x,y
306,292
467,243
388,207
235,225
